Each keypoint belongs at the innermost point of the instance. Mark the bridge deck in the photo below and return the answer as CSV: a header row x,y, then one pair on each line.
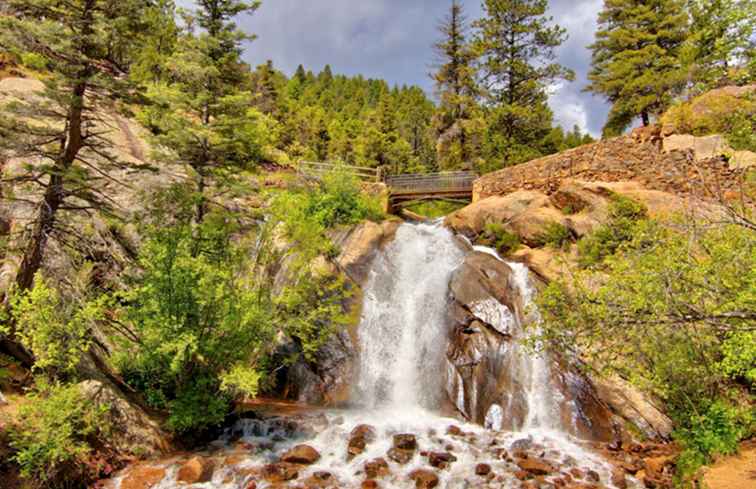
x,y
408,187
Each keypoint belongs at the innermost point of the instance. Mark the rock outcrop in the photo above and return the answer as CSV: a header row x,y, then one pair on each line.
x,y
577,205
484,359
132,431
326,380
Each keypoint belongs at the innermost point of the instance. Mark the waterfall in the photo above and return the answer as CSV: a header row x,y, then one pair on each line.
x,y
404,325
403,337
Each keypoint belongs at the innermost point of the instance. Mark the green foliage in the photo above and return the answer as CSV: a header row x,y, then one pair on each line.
x,y
54,433
555,235
636,58
623,225
202,329
434,209
496,235
672,311
717,431
34,61
341,200
721,42
56,330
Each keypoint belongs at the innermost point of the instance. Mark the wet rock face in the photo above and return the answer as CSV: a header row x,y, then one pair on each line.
x,y
326,380
483,309
485,372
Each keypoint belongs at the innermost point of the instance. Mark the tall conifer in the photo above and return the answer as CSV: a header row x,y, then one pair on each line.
x,y
456,89
517,42
636,58
85,47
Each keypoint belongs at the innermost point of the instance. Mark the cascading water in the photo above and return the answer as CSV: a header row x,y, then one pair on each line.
x,y
403,336
404,324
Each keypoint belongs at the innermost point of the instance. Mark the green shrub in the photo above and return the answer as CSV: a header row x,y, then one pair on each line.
x,y
199,317
54,434
34,61
624,215
554,235
496,235
341,200
56,330
717,431
435,209
671,312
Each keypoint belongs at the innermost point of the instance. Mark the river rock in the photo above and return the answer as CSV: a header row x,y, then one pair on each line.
x,y
280,472
377,468
400,456
441,460
196,470
142,477
536,466
370,484
360,436
320,479
618,478
301,455
424,479
405,442
482,470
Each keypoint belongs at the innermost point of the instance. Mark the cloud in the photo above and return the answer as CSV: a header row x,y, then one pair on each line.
x,y
392,39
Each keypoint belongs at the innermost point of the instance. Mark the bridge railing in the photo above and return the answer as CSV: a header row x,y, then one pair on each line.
x,y
361,172
431,182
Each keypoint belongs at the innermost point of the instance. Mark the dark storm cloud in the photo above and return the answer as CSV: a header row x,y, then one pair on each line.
x,y
392,39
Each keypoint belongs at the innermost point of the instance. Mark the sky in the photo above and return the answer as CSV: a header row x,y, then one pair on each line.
x,y
392,39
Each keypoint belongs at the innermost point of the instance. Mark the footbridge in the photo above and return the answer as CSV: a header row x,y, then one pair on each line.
x,y
405,189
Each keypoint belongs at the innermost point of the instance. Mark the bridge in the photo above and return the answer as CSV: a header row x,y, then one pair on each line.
x,y
406,189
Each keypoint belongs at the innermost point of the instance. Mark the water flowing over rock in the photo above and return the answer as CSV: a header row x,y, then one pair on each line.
x,y
431,308
405,320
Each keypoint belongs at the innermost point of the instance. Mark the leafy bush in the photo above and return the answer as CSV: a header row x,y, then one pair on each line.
x,y
340,200
201,324
34,61
435,208
624,214
715,432
554,235
672,312
496,235
57,331
54,434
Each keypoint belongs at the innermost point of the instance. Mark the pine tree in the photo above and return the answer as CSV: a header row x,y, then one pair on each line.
x,y
84,45
517,43
723,39
456,90
636,63
204,117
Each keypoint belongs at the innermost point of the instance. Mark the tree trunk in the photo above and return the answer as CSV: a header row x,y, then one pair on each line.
x,y
54,193
646,120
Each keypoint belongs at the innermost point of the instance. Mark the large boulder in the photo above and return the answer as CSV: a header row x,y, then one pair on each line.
x,y
484,307
634,407
132,431
487,363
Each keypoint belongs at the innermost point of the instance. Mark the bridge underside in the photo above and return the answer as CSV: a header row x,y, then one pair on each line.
x,y
400,200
